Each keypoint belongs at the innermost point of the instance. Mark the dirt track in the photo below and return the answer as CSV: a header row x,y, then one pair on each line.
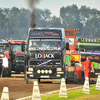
x,y
18,87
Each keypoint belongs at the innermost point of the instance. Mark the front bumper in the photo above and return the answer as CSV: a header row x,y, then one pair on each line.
x,y
45,73
20,67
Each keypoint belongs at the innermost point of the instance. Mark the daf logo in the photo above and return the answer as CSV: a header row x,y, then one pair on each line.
x,y
44,55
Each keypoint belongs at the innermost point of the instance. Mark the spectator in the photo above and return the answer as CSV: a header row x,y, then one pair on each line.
x,y
4,66
68,60
88,64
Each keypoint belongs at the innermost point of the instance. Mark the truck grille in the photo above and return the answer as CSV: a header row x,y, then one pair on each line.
x,y
45,62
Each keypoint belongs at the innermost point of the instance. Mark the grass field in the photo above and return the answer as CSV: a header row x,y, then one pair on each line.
x,y
76,95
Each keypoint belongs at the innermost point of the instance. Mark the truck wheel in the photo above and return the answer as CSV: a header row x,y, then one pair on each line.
x,y
29,82
39,80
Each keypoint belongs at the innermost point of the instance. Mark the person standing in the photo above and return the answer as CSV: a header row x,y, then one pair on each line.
x,y
4,66
88,65
68,60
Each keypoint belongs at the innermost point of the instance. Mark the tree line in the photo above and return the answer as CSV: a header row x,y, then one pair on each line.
x,y
15,22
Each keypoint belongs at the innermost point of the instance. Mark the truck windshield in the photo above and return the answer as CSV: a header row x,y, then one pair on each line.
x,y
45,44
16,48
70,40
19,57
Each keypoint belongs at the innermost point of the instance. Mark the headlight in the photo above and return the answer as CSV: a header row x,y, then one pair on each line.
x,y
46,71
42,71
58,63
50,71
59,69
30,69
38,71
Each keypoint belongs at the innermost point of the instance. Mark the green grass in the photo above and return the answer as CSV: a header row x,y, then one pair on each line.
x,y
74,95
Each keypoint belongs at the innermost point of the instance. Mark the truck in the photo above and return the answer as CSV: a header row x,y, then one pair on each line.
x,y
75,71
90,47
3,49
45,59
16,55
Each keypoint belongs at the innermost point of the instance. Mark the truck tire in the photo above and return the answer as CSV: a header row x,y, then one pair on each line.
x,y
29,82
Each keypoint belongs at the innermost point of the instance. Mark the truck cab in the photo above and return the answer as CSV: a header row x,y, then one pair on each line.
x,y
16,55
74,70
45,54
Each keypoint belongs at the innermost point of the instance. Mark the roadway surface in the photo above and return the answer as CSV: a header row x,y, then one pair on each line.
x,y
18,88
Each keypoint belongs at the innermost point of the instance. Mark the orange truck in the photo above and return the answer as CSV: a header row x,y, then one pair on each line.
x,y
16,55
74,70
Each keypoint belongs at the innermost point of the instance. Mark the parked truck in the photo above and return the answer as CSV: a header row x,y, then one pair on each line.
x,y
16,55
90,47
75,71
46,54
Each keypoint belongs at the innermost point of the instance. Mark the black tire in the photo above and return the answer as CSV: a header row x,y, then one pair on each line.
x,y
29,82
39,80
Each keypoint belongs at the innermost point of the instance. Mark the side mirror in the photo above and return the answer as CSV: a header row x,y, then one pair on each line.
x,y
23,46
67,46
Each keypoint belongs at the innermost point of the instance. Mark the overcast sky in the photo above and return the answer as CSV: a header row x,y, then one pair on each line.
x,y
52,5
